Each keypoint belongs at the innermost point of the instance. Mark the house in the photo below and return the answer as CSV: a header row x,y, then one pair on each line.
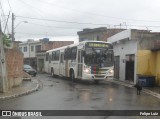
x,y
137,53
99,34
31,49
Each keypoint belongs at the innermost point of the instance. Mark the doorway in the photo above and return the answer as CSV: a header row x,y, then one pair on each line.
x,y
80,63
130,59
61,65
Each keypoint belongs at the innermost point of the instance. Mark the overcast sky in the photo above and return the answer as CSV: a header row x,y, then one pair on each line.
x,y
55,18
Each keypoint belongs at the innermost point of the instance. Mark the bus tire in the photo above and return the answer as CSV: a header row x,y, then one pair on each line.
x,y
72,76
52,72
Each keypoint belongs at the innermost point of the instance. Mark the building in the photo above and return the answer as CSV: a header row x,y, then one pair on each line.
x,y
31,48
14,65
137,53
99,34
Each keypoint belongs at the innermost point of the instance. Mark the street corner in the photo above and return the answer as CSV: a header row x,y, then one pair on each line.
x,y
25,88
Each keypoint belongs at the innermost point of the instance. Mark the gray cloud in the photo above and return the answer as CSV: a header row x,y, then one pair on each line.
x,y
140,13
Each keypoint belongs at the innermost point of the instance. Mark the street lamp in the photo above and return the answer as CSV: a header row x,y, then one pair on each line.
x,y
20,23
13,28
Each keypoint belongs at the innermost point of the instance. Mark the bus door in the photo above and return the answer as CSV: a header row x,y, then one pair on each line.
x,y
80,63
49,63
61,64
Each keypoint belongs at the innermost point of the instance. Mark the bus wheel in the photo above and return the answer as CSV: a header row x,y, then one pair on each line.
x,y
52,73
96,81
72,75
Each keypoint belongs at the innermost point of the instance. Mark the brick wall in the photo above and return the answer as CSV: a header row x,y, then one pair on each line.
x,y
55,44
101,34
14,64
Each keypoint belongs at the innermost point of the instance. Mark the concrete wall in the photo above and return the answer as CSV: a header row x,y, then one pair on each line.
x,y
14,63
157,73
96,34
148,58
122,49
148,63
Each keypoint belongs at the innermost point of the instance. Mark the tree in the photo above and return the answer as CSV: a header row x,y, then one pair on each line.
x,y
6,40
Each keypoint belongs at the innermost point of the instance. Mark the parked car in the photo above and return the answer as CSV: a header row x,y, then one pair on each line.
x,y
29,70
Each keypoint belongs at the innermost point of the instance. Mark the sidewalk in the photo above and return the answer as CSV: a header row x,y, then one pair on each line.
x,y
27,86
154,91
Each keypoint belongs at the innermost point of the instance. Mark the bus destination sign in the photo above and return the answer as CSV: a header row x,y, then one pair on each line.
x,y
98,45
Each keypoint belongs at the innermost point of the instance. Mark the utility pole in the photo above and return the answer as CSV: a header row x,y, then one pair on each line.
x,y
3,71
13,18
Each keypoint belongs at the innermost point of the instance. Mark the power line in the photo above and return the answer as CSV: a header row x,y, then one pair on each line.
x,y
79,22
89,13
71,22
3,15
95,14
54,26
9,5
6,22
34,34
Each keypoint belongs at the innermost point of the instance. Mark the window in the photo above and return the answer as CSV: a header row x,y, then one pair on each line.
x,y
57,55
47,56
61,59
32,48
67,54
98,38
20,48
53,55
73,53
25,49
38,48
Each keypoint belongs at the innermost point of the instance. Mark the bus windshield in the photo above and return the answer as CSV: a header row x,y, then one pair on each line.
x,y
100,56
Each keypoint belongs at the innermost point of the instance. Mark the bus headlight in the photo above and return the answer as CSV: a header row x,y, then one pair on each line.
x,y
110,72
87,70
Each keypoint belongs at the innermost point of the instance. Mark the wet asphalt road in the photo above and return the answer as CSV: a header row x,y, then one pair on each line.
x,y
62,94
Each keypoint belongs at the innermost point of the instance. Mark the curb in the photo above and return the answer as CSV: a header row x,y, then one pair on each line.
x,y
151,93
132,86
121,83
21,94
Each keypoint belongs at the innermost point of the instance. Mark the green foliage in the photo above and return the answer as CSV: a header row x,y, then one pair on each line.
x,y
6,40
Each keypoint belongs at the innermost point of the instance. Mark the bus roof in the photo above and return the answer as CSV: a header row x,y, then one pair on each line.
x,y
72,45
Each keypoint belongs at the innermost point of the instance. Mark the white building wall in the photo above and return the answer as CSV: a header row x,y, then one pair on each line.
x,y
26,54
122,49
29,53
124,43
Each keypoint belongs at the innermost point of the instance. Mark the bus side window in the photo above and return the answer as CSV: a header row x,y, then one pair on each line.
x,y
57,55
53,55
67,54
50,57
47,56
74,53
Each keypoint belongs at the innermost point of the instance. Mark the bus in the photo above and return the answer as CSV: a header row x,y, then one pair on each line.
x,y
87,60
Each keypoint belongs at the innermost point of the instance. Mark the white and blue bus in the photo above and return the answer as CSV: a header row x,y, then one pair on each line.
x,y
88,60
